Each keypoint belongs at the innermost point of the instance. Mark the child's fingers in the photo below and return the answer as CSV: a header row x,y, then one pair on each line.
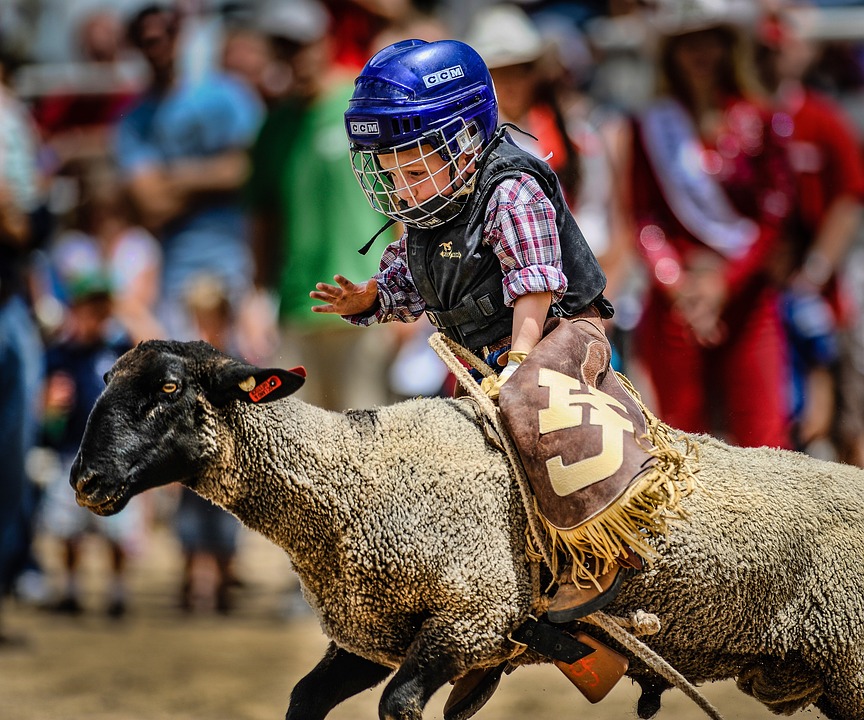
x,y
344,282
324,291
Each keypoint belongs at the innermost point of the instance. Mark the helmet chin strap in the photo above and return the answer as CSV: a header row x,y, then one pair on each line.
x,y
365,249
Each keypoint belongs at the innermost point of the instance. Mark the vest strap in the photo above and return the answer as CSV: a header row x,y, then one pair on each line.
x,y
475,308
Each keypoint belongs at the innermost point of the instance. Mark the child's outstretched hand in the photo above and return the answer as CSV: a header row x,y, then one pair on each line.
x,y
345,298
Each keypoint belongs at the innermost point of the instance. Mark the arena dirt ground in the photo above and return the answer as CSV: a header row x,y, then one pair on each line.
x,y
160,664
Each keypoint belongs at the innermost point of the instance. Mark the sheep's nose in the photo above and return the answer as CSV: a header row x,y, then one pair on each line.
x,y
83,488
75,471
83,482
81,479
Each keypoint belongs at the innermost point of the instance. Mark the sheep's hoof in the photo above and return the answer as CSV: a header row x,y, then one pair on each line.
x,y
472,691
649,701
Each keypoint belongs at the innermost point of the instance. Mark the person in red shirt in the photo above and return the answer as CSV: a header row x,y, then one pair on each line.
x,y
825,155
710,193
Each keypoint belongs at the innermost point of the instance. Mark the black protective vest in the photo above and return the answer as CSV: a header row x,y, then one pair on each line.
x,y
459,276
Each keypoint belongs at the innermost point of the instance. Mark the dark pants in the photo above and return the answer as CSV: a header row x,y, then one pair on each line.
x,y
21,362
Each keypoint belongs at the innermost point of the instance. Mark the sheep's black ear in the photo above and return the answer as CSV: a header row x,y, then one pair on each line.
x,y
273,384
260,385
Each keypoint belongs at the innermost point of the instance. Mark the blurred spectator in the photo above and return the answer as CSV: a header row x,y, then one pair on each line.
x,y
357,23
711,191
77,118
207,533
825,156
308,218
101,238
20,345
76,364
540,95
581,141
520,62
246,53
182,151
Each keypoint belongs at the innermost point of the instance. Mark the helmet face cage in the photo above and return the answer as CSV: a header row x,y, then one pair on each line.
x,y
420,190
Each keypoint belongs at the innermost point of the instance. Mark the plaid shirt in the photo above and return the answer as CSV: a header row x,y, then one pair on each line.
x,y
520,228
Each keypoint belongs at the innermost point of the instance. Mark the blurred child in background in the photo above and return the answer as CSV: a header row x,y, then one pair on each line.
x,y
75,365
102,237
208,534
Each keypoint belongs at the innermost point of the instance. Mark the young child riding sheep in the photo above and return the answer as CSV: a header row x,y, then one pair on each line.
x,y
493,256
490,250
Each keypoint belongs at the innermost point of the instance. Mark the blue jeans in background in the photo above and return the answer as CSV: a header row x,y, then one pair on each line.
x,y
21,374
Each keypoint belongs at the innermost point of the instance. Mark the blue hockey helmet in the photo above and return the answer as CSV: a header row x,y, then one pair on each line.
x,y
433,98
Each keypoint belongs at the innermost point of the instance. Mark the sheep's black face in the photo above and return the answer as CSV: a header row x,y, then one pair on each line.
x,y
148,427
141,433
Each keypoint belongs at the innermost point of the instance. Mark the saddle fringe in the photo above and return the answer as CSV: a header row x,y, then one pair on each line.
x,y
644,511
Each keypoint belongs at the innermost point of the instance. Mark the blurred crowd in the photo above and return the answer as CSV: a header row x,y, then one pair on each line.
x,y
181,171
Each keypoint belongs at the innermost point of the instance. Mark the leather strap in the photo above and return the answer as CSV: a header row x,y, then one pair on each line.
x,y
550,641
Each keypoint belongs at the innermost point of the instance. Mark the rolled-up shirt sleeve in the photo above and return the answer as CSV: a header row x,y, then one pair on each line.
x,y
521,229
398,299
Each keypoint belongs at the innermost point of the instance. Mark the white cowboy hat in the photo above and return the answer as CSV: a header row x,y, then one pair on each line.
x,y
504,35
680,17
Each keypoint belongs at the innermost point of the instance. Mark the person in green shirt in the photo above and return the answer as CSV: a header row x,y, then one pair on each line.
x,y
308,220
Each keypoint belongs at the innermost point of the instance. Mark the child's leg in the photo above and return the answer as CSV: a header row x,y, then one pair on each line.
x,y
224,581
70,602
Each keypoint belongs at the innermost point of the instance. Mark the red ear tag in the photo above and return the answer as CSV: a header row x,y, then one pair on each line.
x,y
265,388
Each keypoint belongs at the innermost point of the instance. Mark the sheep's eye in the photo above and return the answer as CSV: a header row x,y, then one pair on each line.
x,y
169,387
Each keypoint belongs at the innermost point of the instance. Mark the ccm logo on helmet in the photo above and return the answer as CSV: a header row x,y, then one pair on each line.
x,y
442,76
370,127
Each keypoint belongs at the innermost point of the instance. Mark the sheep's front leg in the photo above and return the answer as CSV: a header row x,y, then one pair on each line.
x,y
338,676
429,664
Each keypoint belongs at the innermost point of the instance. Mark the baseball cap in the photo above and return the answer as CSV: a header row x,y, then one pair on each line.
x,y
85,286
299,21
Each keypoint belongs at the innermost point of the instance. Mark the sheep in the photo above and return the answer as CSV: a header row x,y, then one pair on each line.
x,y
407,531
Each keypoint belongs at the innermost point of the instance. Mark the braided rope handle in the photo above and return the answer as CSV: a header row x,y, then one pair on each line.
x,y
653,660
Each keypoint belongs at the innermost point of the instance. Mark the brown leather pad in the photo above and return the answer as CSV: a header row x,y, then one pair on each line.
x,y
576,428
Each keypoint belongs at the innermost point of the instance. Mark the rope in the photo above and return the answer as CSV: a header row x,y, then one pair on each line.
x,y
643,623
639,623
449,351
653,660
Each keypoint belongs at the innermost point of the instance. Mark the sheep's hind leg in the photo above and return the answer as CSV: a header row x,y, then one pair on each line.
x,y
338,676
427,666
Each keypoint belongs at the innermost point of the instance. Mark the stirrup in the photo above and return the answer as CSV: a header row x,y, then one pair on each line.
x,y
571,601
